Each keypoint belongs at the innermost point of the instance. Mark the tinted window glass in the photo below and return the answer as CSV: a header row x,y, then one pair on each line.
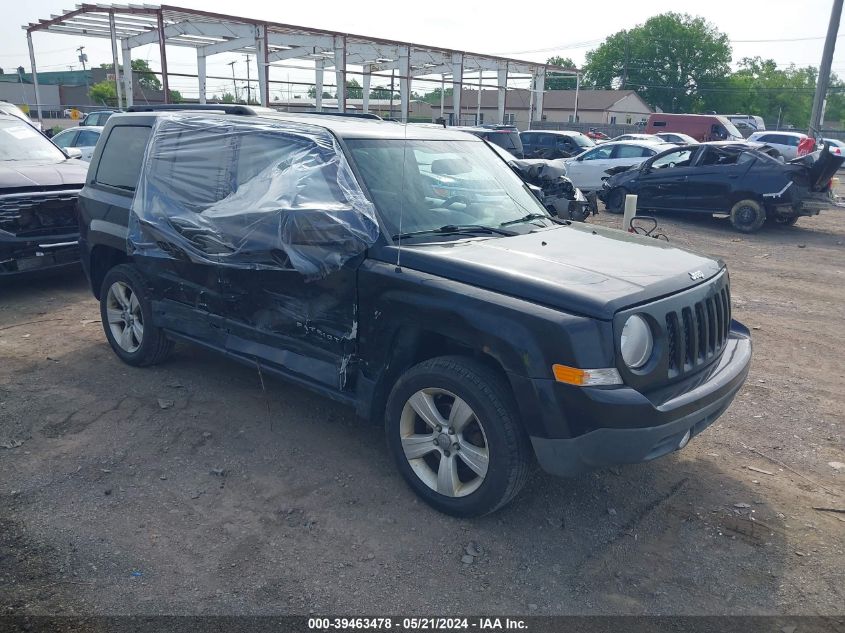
x,y
528,138
629,151
65,139
87,138
120,162
659,124
680,158
547,140
600,153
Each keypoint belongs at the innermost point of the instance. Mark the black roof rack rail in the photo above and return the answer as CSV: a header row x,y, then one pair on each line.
x,y
352,115
226,108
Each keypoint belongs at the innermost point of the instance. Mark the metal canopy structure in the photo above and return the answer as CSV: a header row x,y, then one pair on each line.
x,y
131,26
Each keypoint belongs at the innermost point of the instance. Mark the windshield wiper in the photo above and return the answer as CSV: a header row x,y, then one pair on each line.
x,y
533,216
456,229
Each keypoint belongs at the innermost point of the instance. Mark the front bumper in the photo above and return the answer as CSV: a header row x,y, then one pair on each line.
x,y
637,428
22,255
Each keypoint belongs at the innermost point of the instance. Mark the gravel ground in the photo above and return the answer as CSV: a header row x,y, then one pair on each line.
x,y
183,489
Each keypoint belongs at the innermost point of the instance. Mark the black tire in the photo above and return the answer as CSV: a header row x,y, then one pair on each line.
x,y
154,346
785,221
616,200
495,413
748,216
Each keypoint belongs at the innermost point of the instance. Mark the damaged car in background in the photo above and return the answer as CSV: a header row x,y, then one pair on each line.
x,y
548,181
478,334
739,179
39,184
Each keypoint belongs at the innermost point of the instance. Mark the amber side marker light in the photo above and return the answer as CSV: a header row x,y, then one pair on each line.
x,y
586,377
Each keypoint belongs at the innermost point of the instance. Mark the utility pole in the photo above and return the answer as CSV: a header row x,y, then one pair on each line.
x,y
248,93
234,83
84,58
823,80
625,68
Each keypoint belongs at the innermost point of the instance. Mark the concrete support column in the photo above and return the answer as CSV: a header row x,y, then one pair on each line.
x,y
502,76
115,66
538,85
340,71
404,82
34,74
319,65
366,89
201,75
262,63
128,77
442,96
162,50
478,104
457,85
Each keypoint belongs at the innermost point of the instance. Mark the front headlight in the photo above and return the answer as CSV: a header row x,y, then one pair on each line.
x,y
636,342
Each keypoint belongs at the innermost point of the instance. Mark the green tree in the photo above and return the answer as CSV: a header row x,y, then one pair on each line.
x,y
103,93
176,96
432,97
354,89
142,73
312,93
666,59
227,97
560,82
759,87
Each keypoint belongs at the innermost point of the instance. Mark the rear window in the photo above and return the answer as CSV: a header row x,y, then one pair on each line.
x,y
120,161
509,140
87,138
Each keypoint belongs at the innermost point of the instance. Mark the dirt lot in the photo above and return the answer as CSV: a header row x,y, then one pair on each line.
x,y
230,502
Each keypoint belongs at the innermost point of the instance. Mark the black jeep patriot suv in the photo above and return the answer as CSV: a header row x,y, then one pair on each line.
x,y
481,331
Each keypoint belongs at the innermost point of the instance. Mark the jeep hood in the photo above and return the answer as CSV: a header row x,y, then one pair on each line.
x,y
34,175
579,268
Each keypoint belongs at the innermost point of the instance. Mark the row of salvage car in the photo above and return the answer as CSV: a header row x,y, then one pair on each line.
x,y
748,181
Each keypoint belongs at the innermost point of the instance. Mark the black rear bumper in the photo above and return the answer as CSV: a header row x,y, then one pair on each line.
x,y
628,427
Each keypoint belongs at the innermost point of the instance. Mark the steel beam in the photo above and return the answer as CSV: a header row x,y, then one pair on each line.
x,y
34,74
319,65
503,90
115,65
340,71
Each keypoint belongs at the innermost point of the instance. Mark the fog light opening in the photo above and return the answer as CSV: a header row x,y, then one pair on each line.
x,y
685,439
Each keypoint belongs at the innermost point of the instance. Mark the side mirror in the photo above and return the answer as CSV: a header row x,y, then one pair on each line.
x,y
73,152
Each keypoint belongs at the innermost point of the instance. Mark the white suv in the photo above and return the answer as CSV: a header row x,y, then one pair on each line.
x,y
784,142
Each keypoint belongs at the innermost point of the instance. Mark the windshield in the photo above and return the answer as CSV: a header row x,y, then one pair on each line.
x,y
20,141
730,127
582,140
445,183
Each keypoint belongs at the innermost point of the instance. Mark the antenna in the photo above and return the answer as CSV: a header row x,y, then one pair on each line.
x,y
402,197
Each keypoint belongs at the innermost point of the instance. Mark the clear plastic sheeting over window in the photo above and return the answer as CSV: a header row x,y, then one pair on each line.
x,y
249,193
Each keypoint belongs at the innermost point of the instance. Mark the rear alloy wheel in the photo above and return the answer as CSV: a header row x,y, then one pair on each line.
x,y
616,200
748,216
127,318
453,431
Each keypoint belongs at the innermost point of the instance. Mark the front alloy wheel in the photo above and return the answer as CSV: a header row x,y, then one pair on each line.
x,y
454,431
444,442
